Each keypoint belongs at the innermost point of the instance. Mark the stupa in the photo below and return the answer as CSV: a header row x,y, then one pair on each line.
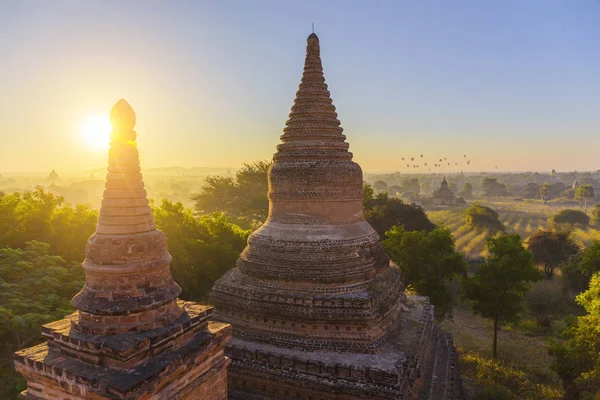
x,y
130,338
444,196
317,311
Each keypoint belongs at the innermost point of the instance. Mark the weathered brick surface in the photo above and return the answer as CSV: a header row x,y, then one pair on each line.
x,y
131,338
314,304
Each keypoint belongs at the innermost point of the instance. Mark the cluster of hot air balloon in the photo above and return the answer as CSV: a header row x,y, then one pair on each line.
x,y
441,162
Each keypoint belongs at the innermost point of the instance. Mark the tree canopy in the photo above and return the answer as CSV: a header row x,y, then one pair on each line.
x,y
492,188
577,357
568,219
427,262
383,212
242,197
551,249
496,290
483,218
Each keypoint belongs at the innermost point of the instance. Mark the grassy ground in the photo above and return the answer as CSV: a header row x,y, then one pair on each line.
x,y
522,217
522,370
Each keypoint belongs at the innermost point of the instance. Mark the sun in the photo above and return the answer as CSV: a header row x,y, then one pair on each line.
x,y
96,132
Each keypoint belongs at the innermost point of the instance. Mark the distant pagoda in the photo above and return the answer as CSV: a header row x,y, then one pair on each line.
x,y
131,338
444,196
316,309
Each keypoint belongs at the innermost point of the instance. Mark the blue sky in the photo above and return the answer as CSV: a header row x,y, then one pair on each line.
x,y
513,84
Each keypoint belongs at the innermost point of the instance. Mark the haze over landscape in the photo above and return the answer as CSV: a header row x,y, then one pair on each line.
x,y
512,84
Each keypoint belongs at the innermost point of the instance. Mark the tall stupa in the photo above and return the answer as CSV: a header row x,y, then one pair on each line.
x,y
317,311
131,337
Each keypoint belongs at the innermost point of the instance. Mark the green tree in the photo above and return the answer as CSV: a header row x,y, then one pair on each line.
x,y
551,249
492,188
203,249
567,220
545,191
580,268
483,218
242,197
35,288
583,194
394,190
596,215
427,262
380,186
383,212
467,191
411,187
577,356
496,290
42,216
368,194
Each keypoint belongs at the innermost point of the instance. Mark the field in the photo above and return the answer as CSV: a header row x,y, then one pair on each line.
x,y
522,217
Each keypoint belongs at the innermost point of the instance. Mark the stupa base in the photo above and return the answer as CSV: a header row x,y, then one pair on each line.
x,y
183,360
419,362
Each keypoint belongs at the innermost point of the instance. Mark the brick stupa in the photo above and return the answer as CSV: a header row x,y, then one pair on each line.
x,y
317,311
131,338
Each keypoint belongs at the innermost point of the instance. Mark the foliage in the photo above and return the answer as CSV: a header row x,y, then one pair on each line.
x,y
579,269
544,191
492,188
503,381
496,290
35,288
380,186
427,262
242,197
551,249
467,191
383,212
545,300
568,219
42,216
596,215
202,248
394,190
411,187
482,217
577,358
584,193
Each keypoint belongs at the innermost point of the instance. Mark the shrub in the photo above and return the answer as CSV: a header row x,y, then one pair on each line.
x,y
569,219
481,217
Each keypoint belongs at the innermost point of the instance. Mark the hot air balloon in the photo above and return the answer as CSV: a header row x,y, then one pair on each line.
x,y
421,155
425,164
440,159
448,163
408,166
444,158
412,159
402,158
455,163
465,156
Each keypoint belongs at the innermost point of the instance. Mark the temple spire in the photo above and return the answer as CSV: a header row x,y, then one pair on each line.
x,y
127,261
125,204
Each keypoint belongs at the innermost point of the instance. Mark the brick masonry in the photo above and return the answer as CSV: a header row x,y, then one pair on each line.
x,y
131,338
317,311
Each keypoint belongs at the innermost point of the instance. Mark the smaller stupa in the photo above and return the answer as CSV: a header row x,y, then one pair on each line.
x,y
444,196
131,337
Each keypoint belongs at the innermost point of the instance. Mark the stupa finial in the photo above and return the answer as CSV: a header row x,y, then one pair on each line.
x,y
122,116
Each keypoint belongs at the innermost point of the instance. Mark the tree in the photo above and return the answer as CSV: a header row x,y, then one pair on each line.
x,y
492,188
568,219
583,194
496,290
580,268
380,186
596,215
411,187
544,191
467,191
394,190
383,212
427,262
483,218
203,248
242,197
551,249
35,288
577,357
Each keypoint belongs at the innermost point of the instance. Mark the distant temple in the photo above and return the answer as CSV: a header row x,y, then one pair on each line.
x,y
317,311
53,176
130,338
444,196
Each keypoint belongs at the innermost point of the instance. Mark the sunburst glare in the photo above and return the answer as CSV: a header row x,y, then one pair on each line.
x,y
96,132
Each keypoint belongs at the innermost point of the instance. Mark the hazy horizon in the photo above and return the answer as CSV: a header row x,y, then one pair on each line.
x,y
509,84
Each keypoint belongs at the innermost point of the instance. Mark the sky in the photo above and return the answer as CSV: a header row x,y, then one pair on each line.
x,y
511,84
